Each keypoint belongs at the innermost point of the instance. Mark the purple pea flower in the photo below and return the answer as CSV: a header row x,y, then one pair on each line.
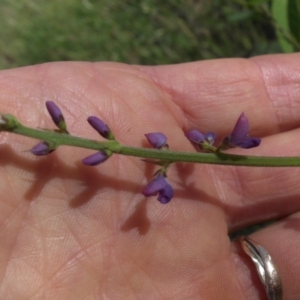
x,y
240,135
56,115
157,140
161,186
204,141
101,127
197,137
96,158
41,149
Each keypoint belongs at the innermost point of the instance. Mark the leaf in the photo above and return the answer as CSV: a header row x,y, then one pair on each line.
x,y
240,16
256,2
294,18
280,14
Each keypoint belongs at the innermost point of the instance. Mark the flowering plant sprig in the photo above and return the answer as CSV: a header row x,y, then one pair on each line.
x,y
160,154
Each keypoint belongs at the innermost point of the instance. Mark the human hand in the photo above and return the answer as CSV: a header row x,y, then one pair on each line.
x,y
70,231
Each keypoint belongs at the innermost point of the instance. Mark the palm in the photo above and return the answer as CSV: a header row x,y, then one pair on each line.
x,y
76,232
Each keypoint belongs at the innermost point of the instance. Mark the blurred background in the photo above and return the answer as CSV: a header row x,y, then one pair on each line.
x,y
147,32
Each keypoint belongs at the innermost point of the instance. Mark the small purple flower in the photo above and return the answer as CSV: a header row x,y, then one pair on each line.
x,y
239,136
56,115
101,127
96,158
161,186
156,139
202,140
41,149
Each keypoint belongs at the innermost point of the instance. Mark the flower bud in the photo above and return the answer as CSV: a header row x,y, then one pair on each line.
x,y
96,158
204,141
195,136
101,127
56,116
156,139
41,149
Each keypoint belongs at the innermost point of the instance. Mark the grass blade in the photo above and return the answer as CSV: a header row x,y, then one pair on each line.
x,y
280,14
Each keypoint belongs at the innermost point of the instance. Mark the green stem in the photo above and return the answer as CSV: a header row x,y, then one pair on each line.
x,y
209,158
220,158
59,139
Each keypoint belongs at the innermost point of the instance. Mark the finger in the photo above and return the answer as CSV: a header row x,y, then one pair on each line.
x,y
282,241
212,94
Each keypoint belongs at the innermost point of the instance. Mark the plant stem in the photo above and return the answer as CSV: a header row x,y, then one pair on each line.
x,y
221,158
212,158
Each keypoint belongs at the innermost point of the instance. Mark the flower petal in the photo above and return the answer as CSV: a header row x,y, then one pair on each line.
x,y
240,130
166,194
154,186
250,142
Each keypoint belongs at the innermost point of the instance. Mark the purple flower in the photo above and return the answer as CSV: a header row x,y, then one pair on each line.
x,y
156,139
101,127
56,115
96,158
41,149
239,136
197,137
161,186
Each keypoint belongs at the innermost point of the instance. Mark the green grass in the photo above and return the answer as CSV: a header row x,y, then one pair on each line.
x,y
131,31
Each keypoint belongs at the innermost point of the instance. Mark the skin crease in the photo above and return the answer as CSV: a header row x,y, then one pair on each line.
x,y
69,231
